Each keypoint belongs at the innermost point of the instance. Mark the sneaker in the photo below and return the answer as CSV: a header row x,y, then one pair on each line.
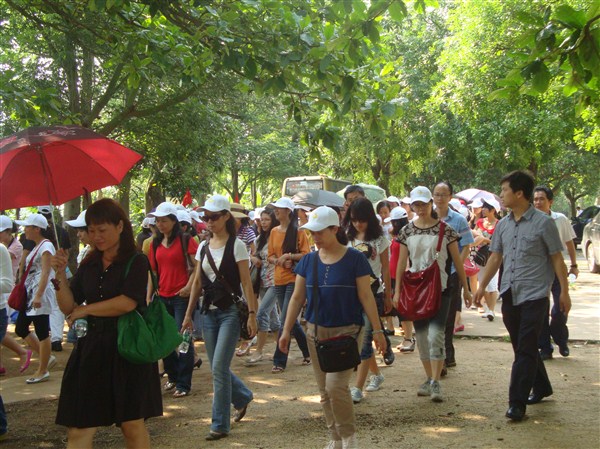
x,y
257,357
350,442
375,382
436,392
490,315
334,444
356,394
408,345
51,361
425,388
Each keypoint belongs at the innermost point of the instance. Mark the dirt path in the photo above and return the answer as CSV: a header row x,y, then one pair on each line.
x,y
286,411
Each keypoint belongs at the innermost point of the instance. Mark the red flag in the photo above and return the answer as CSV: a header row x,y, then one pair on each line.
x,y
187,199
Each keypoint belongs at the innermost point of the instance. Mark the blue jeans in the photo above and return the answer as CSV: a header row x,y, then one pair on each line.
x,y
221,329
3,326
179,366
556,327
283,294
267,316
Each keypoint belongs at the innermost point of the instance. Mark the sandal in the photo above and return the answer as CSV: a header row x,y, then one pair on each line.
x,y
244,349
180,393
306,361
25,365
169,386
277,370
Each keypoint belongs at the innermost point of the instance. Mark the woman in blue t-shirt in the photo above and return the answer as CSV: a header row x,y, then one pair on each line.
x,y
344,291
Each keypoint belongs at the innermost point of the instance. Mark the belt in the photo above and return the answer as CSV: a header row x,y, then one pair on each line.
x,y
100,324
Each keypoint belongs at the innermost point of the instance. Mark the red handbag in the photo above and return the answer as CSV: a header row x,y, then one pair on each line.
x,y
18,296
470,268
421,291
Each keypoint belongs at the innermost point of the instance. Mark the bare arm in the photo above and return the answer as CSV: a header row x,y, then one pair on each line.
x,y
400,269
573,256
295,305
490,269
366,298
195,293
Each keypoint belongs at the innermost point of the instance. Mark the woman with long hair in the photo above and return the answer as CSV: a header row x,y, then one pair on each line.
x,y
419,241
171,261
344,296
366,235
99,387
267,316
286,247
221,322
40,294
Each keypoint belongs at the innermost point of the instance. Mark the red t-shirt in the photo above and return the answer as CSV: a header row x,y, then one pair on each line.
x,y
394,256
172,267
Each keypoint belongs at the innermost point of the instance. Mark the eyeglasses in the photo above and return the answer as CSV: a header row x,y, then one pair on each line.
x,y
212,217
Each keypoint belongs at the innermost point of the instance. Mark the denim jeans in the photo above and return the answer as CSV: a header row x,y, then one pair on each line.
x,y
221,329
366,351
557,326
179,366
267,315
283,294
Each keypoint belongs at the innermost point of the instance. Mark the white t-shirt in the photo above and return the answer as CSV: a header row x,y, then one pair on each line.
x,y
372,250
33,279
7,280
239,252
565,230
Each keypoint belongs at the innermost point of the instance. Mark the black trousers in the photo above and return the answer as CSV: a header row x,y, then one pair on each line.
x,y
455,289
524,324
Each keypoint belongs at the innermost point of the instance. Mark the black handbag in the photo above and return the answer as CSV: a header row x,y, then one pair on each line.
x,y
482,255
230,295
337,353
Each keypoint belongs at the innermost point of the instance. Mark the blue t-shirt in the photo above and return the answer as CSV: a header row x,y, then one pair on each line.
x,y
338,296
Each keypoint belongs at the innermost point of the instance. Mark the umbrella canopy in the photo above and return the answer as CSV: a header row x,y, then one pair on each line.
x,y
470,195
55,164
316,198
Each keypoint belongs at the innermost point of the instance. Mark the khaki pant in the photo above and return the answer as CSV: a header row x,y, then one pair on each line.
x,y
333,387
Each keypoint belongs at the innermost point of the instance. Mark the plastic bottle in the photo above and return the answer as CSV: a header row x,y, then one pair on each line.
x,y
80,327
572,279
184,346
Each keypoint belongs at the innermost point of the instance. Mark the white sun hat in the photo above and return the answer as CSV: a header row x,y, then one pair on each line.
x,y
284,203
164,209
321,218
34,220
217,203
79,222
420,193
397,213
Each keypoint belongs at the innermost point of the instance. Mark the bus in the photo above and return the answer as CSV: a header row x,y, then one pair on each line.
x,y
293,185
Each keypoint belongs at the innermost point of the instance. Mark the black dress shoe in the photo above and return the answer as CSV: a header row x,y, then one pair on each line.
x,y
546,355
515,412
535,398
56,346
564,350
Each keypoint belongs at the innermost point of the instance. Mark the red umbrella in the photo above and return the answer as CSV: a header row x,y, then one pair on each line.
x,y
55,164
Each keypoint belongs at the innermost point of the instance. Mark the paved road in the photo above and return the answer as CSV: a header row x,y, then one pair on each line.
x,y
584,325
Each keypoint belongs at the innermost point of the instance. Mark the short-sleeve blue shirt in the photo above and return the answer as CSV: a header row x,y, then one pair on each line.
x,y
338,296
461,226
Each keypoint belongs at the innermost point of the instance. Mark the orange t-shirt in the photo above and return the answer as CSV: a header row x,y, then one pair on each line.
x,y
284,276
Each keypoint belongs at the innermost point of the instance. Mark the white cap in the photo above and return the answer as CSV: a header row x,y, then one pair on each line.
x,y
5,223
455,203
79,222
493,202
477,202
45,209
195,216
420,193
217,203
164,209
251,215
405,200
321,218
34,220
397,213
284,203
179,207
258,211
147,221
184,215
393,199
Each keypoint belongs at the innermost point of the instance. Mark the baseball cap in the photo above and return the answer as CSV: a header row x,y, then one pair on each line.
x,y
420,193
79,222
147,221
284,203
304,208
195,216
5,223
405,200
393,199
251,215
217,203
493,202
164,209
477,202
321,218
184,215
34,220
258,211
397,213
455,203
45,209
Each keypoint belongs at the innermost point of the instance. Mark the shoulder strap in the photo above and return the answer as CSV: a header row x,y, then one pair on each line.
x,y
219,275
32,259
441,236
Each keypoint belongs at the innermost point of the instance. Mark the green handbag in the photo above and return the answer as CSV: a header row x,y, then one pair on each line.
x,y
147,337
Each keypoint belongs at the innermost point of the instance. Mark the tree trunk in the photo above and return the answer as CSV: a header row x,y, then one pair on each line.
x,y
71,211
154,196
235,185
123,192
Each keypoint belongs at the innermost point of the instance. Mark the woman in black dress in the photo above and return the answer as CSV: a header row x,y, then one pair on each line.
x,y
99,387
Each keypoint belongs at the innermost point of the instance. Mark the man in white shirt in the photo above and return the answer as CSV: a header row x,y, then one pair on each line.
x,y
543,198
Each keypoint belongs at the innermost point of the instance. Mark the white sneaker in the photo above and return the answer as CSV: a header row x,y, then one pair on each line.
x,y
350,443
356,394
375,382
436,392
334,444
253,341
425,388
51,361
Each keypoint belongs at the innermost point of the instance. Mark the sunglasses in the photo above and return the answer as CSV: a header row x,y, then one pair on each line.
x,y
212,217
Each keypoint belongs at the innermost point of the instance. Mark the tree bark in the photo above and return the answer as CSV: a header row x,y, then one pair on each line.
x,y
154,196
123,192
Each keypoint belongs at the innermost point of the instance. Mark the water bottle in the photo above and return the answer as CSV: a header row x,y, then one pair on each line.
x,y
184,346
572,279
80,326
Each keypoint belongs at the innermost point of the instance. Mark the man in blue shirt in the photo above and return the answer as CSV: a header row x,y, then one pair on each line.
x,y
442,194
526,242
